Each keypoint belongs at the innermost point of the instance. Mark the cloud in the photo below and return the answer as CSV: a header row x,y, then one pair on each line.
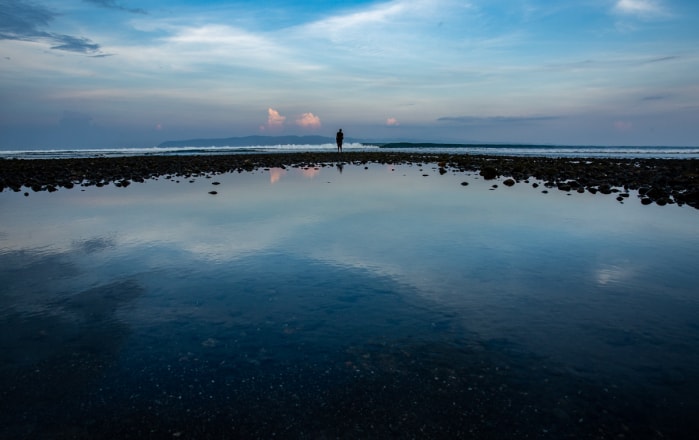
x,y
274,119
74,44
308,120
191,47
491,120
112,4
23,21
641,8
391,122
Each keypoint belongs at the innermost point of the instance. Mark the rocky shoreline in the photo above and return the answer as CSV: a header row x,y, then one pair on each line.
x,y
660,181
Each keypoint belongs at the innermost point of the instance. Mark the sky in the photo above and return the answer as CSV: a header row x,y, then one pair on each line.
x,y
127,73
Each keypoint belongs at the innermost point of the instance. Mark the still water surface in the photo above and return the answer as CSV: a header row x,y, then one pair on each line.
x,y
355,302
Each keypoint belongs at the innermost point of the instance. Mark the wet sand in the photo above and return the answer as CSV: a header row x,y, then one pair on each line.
x,y
660,181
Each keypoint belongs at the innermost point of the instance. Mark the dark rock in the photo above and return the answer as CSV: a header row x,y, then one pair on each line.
x,y
464,183
489,173
213,193
509,182
646,201
564,187
215,183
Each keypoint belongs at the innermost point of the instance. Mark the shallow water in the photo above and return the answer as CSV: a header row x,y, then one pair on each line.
x,y
355,302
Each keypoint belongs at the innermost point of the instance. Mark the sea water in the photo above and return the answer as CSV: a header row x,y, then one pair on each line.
x,y
346,301
563,151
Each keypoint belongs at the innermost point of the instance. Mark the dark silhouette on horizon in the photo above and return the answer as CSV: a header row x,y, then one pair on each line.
x,y
339,137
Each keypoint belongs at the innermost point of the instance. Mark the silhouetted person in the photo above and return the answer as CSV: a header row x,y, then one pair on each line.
x,y
339,137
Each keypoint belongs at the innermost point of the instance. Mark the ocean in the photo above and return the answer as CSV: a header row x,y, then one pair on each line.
x,y
346,301
476,149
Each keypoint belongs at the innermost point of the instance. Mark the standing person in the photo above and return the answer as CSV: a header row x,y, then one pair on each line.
x,y
339,137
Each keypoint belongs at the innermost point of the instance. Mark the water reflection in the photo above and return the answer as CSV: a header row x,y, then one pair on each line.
x,y
286,289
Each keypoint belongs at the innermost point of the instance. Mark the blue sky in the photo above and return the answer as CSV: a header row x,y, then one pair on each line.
x,y
126,73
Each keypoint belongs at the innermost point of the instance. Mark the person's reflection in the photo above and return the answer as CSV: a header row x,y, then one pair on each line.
x,y
340,166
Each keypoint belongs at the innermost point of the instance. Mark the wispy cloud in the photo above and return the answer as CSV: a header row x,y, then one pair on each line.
x,y
113,4
396,27
654,98
74,44
212,44
490,120
646,9
25,22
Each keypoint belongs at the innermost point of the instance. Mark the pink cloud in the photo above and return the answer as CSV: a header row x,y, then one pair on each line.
x,y
392,122
274,119
308,120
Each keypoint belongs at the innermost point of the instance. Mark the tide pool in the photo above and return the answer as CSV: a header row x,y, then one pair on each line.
x,y
346,301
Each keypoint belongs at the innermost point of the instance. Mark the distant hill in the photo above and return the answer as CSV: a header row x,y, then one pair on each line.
x,y
251,141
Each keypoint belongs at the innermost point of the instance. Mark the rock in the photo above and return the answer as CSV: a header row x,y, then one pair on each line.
x,y
509,182
213,193
564,187
646,201
464,183
489,173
